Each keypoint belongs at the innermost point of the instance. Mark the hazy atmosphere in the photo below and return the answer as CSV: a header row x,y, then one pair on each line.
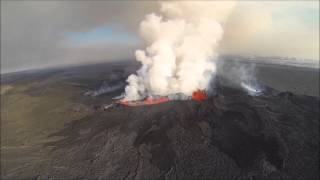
x,y
38,34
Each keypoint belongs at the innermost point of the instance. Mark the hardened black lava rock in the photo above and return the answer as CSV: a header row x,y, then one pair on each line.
x,y
231,135
50,130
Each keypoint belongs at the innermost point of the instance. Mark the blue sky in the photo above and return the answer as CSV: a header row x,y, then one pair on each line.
x,y
103,34
308,16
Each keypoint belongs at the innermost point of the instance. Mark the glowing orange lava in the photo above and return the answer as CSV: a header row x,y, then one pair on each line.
x,y
146,102
197,96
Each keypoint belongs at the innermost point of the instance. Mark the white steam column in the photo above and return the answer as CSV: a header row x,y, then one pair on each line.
x,y
181,49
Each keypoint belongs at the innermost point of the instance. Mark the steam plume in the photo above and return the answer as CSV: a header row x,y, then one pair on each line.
x,y
239,74
181,49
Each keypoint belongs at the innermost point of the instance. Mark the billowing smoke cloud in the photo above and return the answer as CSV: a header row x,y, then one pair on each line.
x,y
181,49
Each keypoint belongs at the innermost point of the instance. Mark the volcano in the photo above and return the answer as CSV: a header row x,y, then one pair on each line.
x,y
227,134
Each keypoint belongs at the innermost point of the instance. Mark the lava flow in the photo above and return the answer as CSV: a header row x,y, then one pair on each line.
x,y
148,101
197,96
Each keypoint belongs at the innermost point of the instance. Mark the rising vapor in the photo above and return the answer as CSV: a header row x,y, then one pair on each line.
x,y
181,49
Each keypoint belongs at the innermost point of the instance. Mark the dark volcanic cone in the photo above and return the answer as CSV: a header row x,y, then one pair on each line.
x,y
231,135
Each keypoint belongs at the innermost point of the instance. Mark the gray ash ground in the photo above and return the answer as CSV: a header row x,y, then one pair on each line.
x,y
231,135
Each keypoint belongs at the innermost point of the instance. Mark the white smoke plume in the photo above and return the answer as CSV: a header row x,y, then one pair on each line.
x,y
181,48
